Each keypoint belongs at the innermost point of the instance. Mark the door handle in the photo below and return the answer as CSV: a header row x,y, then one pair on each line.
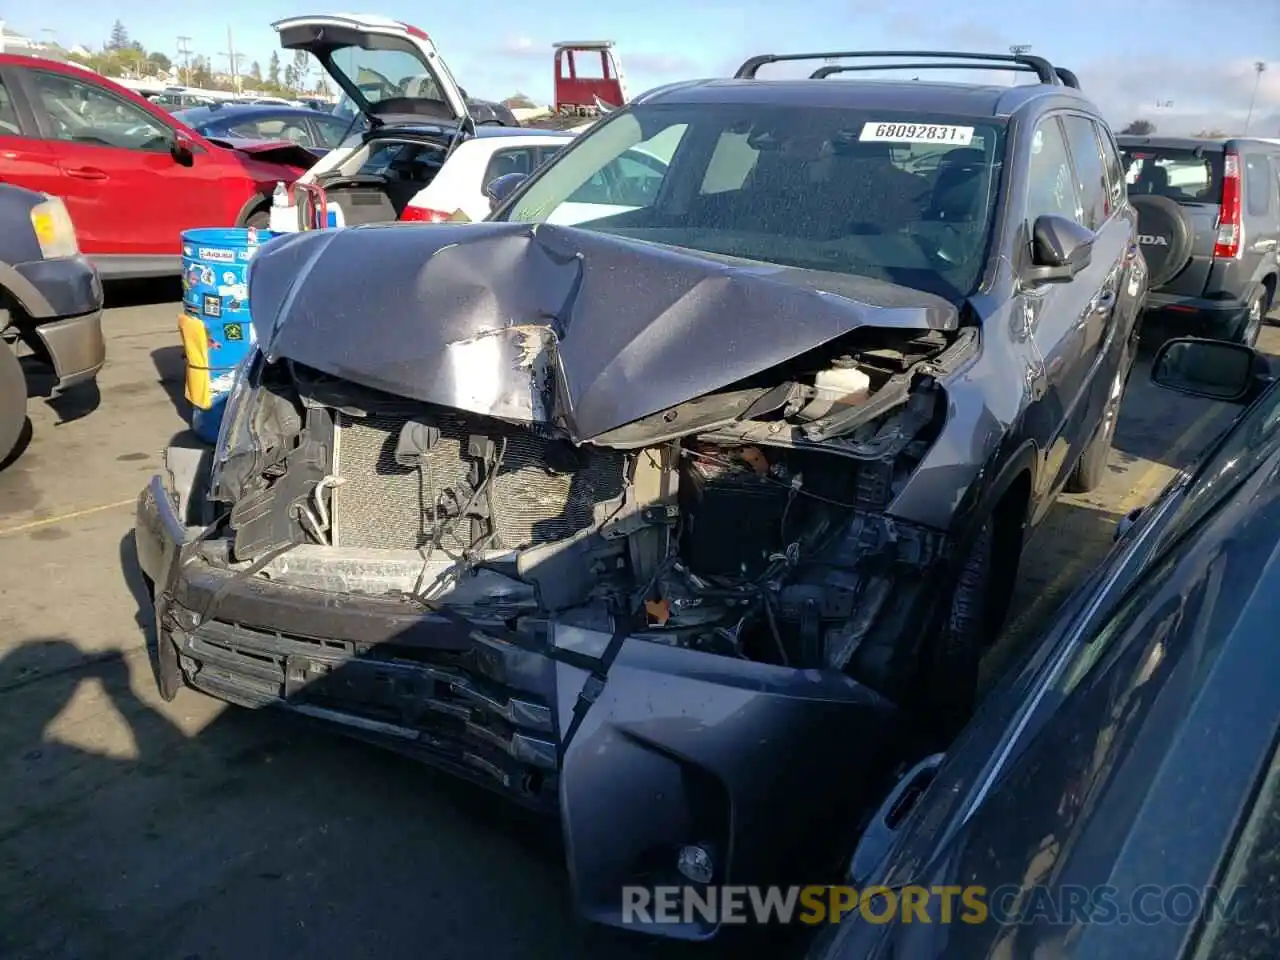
x,y
86,173
1131,253
1262,246
1105,302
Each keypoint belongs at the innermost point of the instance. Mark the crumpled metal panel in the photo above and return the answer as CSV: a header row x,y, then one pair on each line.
x,y
540,322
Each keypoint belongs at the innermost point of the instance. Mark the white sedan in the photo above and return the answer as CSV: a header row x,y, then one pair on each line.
x,y
458,188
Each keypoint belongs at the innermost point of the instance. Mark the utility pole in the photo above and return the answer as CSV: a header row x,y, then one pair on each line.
x,y
184,56
233,59
1018,50
1258,68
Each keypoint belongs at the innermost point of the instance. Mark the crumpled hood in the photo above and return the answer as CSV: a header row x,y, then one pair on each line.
x,y
284,152
540,322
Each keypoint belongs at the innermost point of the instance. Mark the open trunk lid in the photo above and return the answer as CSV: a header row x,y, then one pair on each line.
x,y
382,65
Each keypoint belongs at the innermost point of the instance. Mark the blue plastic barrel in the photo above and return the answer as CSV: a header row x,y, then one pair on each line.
x,y
214,263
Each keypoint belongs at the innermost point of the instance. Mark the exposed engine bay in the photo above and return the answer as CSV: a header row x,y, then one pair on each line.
x,y
748,523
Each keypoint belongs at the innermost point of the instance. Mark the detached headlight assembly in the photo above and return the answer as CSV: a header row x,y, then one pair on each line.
x,y
54,230
235,434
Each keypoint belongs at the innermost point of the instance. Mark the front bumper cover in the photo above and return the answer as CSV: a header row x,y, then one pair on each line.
x,y
765,766
63,303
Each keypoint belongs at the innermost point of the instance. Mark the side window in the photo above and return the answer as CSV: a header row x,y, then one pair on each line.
x,y
81,112
1050,182
546,153
635,177
8,114
1257,184
1090,174
1115,168
331,131
502,162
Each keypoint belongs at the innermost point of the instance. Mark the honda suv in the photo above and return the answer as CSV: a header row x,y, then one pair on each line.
x,y
1209,225
677,499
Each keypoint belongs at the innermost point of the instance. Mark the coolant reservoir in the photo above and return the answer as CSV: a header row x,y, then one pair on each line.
x,y
840,385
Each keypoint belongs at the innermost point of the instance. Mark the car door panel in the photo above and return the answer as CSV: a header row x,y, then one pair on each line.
x,y
126,193
25,159
1064,319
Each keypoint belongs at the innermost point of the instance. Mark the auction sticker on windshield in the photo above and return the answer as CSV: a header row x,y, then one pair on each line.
x,y
916,133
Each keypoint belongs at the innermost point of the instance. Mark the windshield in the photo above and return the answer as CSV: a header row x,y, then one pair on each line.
x,y
896,197
1184,176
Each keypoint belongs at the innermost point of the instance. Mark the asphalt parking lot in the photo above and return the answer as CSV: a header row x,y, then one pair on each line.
x,y
134,828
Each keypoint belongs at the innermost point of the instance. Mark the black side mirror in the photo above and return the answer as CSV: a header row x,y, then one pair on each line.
x,y
1060,249
182,152
499,189
463,91
1213,369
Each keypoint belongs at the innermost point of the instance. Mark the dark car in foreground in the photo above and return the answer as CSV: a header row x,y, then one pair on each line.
x,y
1118,795
318,132
674,507
50,301
1209,225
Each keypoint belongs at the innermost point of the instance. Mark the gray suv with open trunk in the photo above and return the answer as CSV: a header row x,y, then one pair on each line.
x,y
1209,226
681,508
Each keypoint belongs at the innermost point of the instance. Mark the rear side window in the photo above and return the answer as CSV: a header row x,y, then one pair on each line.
x,y
1090,174
1184,176
1257,184
1115,166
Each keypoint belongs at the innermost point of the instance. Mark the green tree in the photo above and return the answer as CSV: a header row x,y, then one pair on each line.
x,y
273,69
119,37
1140,128
201,73
159,61
255,72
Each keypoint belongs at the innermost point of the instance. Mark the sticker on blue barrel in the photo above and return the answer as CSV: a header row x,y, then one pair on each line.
x,y
215,255
233,331
212,305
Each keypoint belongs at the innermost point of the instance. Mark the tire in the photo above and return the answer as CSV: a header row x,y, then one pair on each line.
x,y
951,677
1091,468
260,219
1251,323
13,402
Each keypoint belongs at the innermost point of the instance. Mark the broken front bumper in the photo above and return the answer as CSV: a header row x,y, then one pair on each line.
x,y
62,300
764,767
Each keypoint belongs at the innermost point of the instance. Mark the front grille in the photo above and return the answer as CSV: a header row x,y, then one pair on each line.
x,y
546,489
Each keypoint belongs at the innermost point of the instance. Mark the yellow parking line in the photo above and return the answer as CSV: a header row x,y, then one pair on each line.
x,y
64,517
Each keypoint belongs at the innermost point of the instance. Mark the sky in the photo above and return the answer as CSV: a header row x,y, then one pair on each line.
x,y
1179,63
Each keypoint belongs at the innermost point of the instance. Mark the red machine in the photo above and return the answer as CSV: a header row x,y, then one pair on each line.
x,y
588,78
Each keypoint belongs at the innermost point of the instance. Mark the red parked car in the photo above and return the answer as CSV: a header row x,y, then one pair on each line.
x,y
132,177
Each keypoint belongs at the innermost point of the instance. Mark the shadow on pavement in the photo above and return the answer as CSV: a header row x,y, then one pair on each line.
x,y
137,293
171,370
131,828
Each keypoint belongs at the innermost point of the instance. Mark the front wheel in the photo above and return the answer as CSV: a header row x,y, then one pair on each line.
x,y
951,675
13,402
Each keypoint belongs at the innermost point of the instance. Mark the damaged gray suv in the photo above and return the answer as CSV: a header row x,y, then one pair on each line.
x,y
679,499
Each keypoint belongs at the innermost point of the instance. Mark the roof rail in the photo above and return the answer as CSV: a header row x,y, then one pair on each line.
x,y
1066,76
1042,67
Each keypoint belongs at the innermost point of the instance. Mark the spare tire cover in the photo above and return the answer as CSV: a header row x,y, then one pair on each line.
x,y
1165,235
